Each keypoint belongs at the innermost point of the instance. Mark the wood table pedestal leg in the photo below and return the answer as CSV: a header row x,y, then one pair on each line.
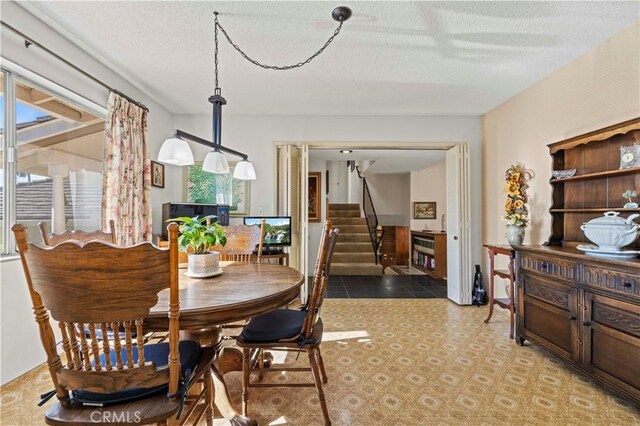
x,y
213,337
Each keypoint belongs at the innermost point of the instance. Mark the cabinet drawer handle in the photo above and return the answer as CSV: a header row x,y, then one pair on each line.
x,y
626,284
572,318
587,323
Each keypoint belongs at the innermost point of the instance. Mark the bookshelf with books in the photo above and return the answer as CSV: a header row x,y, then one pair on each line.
x,y
429,253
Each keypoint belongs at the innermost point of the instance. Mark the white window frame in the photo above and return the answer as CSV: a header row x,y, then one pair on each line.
x,y
13,72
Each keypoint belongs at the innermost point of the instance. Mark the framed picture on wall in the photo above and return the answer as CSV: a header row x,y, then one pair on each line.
x,y
424,210
157,174
314,196
211,188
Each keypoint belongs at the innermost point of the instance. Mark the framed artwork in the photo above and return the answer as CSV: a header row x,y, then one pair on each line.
x,y
424,210
314,196
157,174
211,188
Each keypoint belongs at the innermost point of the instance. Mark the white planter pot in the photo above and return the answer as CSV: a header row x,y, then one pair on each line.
x,y
203,265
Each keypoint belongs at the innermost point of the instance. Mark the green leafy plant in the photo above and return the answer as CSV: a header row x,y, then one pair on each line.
x,y
199,233
628,194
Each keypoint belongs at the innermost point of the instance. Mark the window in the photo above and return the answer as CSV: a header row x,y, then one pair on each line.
x,y
58,161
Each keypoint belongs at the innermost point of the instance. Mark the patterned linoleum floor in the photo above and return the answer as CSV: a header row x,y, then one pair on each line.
x,y
408,362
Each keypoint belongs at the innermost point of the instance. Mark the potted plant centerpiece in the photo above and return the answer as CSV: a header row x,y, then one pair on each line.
x,y
197,236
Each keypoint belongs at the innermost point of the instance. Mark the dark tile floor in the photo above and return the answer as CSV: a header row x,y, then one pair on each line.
x,y
386,287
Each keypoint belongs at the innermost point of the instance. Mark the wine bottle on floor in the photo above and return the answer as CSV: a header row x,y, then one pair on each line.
x,y
478,291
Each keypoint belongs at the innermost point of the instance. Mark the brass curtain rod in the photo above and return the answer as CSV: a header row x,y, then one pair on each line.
x,y
28,41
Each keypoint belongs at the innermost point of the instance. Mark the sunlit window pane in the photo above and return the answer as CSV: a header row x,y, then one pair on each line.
x,y
59,167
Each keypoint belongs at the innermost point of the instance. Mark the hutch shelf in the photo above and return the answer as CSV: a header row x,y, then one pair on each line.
x,y
598,184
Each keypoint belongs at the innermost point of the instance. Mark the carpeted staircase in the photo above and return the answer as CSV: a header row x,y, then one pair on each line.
x,y
353,254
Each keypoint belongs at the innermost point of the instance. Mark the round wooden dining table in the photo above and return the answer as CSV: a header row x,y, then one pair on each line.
x,y
241,291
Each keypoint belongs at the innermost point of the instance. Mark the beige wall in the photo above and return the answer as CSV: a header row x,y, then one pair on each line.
x,y
598,89
430,184
390,196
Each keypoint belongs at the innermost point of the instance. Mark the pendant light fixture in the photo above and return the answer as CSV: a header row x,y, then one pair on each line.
x,y
176,150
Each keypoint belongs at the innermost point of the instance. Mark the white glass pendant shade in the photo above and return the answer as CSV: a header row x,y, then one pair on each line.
x,y
215,162
175,151
244,170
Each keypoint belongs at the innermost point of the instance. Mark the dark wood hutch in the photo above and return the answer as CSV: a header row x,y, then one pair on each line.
x,y
585,309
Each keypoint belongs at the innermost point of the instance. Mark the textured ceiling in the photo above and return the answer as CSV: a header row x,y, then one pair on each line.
x,y
392,58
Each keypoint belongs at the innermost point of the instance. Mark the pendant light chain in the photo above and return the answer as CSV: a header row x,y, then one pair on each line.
x,y
270,67
215,52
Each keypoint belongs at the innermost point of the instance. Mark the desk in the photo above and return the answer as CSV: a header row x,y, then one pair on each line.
x,y
505,303
242,291
282,258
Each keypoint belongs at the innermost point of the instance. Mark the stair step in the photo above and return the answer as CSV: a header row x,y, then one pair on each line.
x,y
354,237
338,268
353,229
343,213
351,247
352,257
337,221
344,206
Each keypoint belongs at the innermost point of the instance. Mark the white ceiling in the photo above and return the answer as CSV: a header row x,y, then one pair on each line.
x,y
384,160
392,58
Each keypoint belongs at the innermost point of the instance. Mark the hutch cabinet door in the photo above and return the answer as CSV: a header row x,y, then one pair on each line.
x,y
550,316
611,341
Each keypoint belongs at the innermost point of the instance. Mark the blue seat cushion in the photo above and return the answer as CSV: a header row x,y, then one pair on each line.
x,y
157,353
274,326
110,333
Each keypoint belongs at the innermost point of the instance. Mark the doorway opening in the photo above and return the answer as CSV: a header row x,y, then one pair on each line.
x,y
399,175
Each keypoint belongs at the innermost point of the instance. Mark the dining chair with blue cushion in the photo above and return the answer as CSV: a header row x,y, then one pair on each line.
x,y
292,330
244,243
102,288
51,239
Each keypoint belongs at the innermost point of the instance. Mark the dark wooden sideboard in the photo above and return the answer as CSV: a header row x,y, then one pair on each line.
x,y
583,309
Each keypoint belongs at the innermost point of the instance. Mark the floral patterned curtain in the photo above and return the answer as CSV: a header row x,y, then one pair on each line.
x,y
126,190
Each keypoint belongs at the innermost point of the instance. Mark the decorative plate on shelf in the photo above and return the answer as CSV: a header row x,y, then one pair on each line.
x,y
559,174
630,156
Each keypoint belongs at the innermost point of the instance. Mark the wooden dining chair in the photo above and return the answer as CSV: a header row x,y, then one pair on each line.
x,y
292,330
244,243
51,239
103,287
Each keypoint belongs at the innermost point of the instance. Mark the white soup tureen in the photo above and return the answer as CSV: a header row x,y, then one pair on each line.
x,y
611,232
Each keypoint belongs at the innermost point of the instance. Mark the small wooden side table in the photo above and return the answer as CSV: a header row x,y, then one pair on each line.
x,y
282,258
506,302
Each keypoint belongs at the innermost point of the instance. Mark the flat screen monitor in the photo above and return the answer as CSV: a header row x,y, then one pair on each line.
x,y
277,230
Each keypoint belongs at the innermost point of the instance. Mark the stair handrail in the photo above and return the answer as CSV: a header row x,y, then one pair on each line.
x,y
375,233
